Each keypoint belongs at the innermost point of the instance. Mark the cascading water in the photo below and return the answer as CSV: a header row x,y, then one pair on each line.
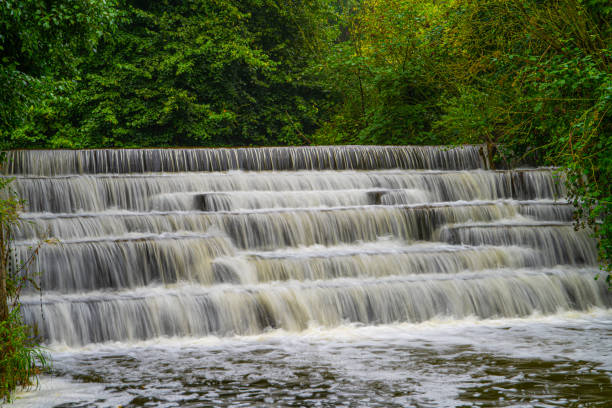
x,y
219,243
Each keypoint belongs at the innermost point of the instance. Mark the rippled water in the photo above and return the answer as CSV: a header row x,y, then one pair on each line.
x,y
559,360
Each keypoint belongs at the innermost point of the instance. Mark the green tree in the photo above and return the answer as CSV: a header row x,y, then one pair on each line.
x,y
538,83
381,76
195,72
41,45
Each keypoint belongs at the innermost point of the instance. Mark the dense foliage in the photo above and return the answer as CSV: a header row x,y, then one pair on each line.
x,y
42,44
530,78
194,72
21,358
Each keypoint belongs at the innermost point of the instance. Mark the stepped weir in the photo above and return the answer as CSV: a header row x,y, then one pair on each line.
x,y
199,242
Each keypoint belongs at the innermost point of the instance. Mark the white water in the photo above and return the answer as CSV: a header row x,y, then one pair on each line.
x,y
553,360
371,276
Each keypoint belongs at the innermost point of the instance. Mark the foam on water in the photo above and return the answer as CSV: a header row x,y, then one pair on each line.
x,y
421,364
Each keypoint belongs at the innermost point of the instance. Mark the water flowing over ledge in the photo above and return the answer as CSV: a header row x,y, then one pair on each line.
x,y
57,162
223,242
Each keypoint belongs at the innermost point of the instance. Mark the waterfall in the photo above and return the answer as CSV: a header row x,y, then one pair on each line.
x,y
257,159
223,242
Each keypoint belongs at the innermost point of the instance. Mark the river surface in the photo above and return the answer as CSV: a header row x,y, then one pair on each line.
x,y
548,361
